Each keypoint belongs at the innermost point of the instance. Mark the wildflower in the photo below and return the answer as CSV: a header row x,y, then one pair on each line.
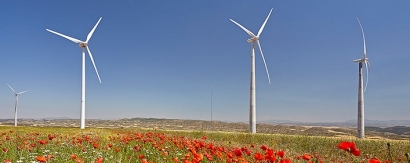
x,y
285,161
5,149
374,160
258,156
95,145
41,159
280,153
42,142
7,161
99,160
50,137
307,157
263,147
237,152
349,146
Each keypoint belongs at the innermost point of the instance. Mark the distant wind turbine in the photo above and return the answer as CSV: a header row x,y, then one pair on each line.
x,y
83,45
360,116
16,103
255,38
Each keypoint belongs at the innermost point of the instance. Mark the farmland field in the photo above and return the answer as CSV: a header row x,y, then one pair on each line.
x,y
64,144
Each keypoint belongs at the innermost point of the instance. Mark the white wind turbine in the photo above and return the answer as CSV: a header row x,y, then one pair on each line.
x,y
360,116
255,38
16,103
82,46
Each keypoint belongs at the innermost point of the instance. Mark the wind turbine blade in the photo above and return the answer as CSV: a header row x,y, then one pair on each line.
x,y
92,60
67,37
264,62
11,88
367,73
246,30
92,31
22,92
264,23
364,39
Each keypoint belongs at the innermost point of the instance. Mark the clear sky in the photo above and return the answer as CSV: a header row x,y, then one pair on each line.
x,y
161,59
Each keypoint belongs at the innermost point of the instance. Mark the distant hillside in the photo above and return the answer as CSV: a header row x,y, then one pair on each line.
x,y
348,123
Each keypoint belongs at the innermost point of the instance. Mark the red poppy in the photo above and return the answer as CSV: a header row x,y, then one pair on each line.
x,y
285,161
258,156
237,152
5,149
41,159
263,147
349,146
280,153
95,145
307,157
42,142
374,160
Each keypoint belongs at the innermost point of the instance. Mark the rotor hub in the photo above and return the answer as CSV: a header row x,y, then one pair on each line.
x,y
83,45
253,39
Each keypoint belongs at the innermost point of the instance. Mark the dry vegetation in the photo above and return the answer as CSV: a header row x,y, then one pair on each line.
x,y
397,132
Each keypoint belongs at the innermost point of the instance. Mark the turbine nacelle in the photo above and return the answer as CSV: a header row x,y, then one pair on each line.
x,y
83,45
361,60
253,39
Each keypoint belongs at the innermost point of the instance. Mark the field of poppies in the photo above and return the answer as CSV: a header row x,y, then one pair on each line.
x,y
41,144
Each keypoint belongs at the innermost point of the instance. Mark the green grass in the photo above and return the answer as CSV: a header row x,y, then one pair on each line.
x,y
155,143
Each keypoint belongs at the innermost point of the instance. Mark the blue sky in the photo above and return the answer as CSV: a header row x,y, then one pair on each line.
x,y
160,59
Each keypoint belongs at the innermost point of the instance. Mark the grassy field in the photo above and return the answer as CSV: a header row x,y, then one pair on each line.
x,y
62,144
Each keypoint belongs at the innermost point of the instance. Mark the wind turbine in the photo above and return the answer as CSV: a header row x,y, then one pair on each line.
x,y
83,45
255,38
360,116
16,103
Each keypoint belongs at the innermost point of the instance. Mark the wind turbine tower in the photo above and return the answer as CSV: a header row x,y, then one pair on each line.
x,y
83,45
16,103
360,115
254,38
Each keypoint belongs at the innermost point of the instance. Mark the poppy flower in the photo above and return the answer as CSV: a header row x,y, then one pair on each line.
x,y
99,160
258,156
374,160
263,147
42,142
237,152
280,153
306,157
5,149
285,161
41,159
349,146
95,145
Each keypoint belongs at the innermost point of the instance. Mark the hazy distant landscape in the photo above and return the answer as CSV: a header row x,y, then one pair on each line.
x,y
375,129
